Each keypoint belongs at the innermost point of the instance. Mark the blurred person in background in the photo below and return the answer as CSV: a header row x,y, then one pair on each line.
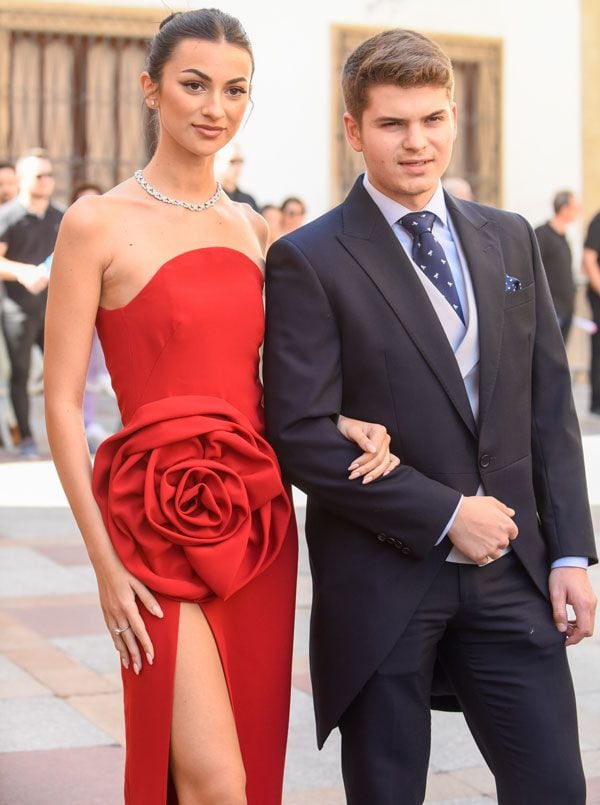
x,y
85,189
557,257
293,214
591,268
459,188
8,190
28,229
8,182
272,216
229,166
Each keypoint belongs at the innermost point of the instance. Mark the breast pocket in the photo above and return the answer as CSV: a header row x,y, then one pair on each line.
x,y
520,297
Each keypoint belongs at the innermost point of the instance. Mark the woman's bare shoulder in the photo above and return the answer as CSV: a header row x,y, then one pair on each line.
x,y
98,210
101,216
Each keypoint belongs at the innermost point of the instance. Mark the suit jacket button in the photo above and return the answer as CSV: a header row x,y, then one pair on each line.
x,y
485,460
382,537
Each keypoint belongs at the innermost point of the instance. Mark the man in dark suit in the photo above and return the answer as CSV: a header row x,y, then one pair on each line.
x,y
431,316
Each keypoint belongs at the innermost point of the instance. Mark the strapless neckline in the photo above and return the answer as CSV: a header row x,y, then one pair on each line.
x,y
160,270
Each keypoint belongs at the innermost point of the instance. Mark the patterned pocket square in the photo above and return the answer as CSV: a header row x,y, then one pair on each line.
x,y
511,284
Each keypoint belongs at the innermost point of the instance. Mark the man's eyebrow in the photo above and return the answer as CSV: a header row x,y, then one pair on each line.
x,y
388,119
391,119
207,78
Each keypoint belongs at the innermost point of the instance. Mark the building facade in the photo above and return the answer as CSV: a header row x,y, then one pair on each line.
x,y
68,82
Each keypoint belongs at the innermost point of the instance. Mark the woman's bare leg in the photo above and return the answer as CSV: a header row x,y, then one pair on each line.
x,y
206,762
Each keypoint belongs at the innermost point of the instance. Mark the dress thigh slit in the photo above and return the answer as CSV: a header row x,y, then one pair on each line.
x,y
253,632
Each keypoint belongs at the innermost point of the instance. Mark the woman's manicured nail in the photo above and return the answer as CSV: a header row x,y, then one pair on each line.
x,y
150,658
355,474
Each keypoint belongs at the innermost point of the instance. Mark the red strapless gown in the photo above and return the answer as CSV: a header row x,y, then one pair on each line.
x,y
192,498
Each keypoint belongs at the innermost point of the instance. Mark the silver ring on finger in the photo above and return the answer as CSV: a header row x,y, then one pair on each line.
x,y
118,631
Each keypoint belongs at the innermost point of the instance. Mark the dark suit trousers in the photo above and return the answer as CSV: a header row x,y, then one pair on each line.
x,y
494,635
22,330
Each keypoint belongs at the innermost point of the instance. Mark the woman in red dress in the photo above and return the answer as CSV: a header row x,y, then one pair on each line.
x,y
185,517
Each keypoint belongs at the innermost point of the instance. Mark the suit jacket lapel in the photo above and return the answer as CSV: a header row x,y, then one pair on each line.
x,y
369,239
481,246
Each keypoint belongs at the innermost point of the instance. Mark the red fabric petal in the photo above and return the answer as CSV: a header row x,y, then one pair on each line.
x,y
191,497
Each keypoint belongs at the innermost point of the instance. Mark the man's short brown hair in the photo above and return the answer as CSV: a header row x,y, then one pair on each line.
x,y
398,57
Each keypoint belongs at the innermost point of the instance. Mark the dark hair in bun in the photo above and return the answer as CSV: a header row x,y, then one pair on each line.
x,y
209,24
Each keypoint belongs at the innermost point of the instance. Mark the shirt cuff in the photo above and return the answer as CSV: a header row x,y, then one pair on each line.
x,y
451,521
571,561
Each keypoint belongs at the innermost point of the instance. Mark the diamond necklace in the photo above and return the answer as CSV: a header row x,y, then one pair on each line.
x,y
204,205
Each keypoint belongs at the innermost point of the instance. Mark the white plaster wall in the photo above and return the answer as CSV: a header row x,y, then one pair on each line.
x,y
287,140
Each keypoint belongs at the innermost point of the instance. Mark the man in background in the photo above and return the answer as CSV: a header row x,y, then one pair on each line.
x,y
8,182
28,229
230,163
591,268
8,190
557,258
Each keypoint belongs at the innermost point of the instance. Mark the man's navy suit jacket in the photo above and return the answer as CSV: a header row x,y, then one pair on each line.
x,y
350,330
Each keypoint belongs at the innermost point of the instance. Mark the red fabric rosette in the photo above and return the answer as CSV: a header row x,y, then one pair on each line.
x,y
192,497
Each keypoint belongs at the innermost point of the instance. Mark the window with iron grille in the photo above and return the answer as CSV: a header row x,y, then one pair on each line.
x,y
69,84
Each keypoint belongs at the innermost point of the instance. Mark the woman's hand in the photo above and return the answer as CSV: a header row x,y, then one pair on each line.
x,y
118,590
376,460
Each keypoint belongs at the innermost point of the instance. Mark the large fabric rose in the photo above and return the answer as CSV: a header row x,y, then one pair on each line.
x,y
192,497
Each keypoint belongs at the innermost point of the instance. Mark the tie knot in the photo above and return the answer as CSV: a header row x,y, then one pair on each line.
x,y
418,222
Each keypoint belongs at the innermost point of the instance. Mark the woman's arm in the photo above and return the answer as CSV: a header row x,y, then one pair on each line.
x,y
79,261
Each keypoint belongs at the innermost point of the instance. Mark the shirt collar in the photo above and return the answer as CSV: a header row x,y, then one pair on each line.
x,y
392,211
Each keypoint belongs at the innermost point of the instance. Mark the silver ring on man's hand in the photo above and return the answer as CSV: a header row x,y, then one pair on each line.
x,y
120,631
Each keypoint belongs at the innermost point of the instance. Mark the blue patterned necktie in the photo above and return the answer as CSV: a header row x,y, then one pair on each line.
x,y
431,258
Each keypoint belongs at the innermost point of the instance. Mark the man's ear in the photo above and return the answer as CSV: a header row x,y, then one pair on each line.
x,y
352,129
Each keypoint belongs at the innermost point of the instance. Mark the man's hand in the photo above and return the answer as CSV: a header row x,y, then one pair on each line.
x,y
482,528
571,585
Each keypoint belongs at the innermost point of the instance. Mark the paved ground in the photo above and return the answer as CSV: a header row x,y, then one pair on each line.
x,y
61,731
